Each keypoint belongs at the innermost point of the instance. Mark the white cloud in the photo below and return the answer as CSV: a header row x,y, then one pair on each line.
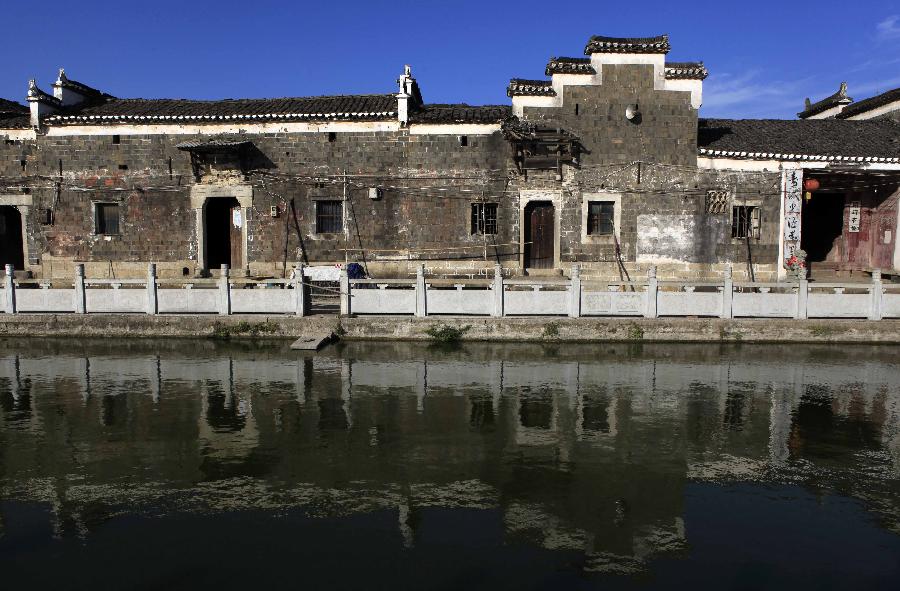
x,y
889,28
748,96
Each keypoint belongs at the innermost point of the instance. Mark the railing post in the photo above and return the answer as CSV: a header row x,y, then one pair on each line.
x,y
300,295
497,309
652,291
875,310
10,290
421,300
152,301
802,299
575,293
80,304
224,292
345,293
727,293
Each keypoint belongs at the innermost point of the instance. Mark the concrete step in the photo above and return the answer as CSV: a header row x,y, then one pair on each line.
x,y
312,342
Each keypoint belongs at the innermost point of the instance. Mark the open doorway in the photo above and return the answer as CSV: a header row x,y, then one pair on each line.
x,y
223,233
822,223
11,250
539,235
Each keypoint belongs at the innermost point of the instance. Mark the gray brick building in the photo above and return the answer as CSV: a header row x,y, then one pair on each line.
x,y
606,164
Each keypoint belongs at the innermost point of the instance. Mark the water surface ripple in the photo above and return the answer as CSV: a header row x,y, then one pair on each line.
x,y
211,465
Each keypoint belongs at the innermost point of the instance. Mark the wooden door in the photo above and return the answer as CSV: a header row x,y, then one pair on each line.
x,y
235,237
884,233
540,236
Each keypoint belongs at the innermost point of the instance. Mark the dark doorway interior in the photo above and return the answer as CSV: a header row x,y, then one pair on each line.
x,y
11,252
539,234
822,222
223,234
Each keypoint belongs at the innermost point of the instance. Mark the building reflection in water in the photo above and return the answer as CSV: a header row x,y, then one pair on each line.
x,y
589,449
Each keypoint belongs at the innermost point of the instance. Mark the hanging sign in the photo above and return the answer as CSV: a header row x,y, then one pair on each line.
x,y
853,218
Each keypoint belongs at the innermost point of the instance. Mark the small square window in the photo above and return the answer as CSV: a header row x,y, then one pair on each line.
x,y
601,218
745,221
116,139
329,217
484,218
106,218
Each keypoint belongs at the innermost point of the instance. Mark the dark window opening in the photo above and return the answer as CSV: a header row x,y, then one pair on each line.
x,y
332,136
123,167
576,109
116,139
329,217
106,218
745,221
464,140
484,218
185,271
601,218
47,217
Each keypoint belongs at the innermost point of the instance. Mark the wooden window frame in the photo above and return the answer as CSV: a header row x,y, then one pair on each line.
x,y
595,221
745,221
329,222
101,226
484,219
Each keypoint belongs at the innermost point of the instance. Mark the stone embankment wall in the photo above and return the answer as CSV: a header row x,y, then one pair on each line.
x,y
558,330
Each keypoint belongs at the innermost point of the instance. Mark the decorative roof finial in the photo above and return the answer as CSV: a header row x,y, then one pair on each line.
x,y
61,79
843,91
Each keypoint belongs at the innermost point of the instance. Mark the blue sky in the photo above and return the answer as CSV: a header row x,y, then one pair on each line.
x,y
764,56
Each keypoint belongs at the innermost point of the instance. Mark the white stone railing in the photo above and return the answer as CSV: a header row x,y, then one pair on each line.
x,y
650,298
223,295
497,297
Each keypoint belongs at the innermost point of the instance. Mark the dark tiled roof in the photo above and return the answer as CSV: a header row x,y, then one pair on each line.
x,y
36,94
569,65
804,139
460,114
79,87
522,87
686,71
214,143
15,122
838,98
601,44
350,107
10,107
869,104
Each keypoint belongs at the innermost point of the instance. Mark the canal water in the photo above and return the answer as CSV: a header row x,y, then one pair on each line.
x,y
215,465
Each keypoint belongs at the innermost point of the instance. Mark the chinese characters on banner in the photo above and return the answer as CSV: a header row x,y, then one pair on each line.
x,y
793,203
853,219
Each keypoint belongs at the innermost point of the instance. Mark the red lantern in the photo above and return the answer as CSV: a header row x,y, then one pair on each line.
x,y
811,184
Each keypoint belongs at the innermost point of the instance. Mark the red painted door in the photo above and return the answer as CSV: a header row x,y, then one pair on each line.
x,y
540,236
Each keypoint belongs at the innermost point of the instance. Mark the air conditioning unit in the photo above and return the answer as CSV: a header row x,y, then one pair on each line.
x,y
273,211
374,193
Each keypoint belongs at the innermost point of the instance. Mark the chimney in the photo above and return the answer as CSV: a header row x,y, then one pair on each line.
x,y
40,103
409,98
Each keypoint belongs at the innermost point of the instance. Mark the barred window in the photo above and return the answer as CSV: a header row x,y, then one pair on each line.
x,y
745,221
601,218
106,218
484,218
329,217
